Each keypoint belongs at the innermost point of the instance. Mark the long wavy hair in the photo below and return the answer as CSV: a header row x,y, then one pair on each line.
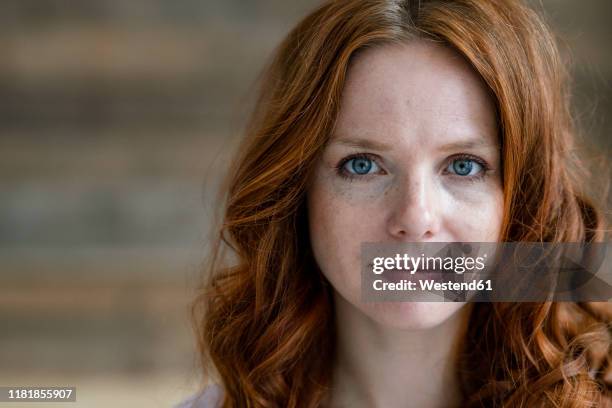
x,y
264,315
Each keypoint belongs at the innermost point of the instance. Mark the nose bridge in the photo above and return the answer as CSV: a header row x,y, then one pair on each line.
x,y
416,190
414,213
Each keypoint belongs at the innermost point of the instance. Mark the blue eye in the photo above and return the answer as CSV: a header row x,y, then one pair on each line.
x,y
360,166
465,167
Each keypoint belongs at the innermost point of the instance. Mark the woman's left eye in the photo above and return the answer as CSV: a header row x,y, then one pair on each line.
x,y
465,167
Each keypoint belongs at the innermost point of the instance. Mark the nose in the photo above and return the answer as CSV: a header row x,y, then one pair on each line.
x,y
414,214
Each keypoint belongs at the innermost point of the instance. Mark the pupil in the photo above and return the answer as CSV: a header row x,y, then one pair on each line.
x,y
362,166
462,167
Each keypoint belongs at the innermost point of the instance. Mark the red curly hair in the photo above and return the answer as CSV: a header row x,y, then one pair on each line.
x,y
264,316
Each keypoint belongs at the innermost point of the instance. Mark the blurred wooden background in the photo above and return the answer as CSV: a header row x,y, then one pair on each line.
x,y
117,119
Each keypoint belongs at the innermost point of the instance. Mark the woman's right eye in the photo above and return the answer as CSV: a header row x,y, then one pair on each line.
x,y
358,166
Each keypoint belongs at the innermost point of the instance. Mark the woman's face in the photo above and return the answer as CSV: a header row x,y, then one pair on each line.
x,y
414,157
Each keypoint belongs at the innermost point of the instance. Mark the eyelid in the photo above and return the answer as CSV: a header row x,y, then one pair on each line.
x,y
468,156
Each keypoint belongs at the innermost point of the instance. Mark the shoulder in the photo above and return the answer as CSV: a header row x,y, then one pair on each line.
x,y
211,397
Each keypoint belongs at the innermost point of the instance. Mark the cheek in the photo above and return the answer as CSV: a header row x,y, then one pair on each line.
x,y
343,214
340,219
474,212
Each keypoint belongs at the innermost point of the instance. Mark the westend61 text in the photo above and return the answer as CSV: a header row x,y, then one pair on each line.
x,y
433,285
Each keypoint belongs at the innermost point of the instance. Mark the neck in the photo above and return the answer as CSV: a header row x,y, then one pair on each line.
x,y
378,366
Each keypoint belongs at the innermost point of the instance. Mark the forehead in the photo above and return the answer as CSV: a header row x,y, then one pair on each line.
x,y
416,88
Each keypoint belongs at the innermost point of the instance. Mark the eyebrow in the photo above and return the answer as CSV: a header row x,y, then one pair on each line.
x,y
363,143
468,144
375,145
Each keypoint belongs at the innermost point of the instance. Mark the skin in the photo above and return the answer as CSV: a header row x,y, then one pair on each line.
x,y
415,114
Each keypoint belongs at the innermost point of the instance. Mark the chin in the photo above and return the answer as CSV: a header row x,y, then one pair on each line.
x,y
411,315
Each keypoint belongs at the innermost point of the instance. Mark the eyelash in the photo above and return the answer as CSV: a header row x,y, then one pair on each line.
x,y
349,176
462,156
